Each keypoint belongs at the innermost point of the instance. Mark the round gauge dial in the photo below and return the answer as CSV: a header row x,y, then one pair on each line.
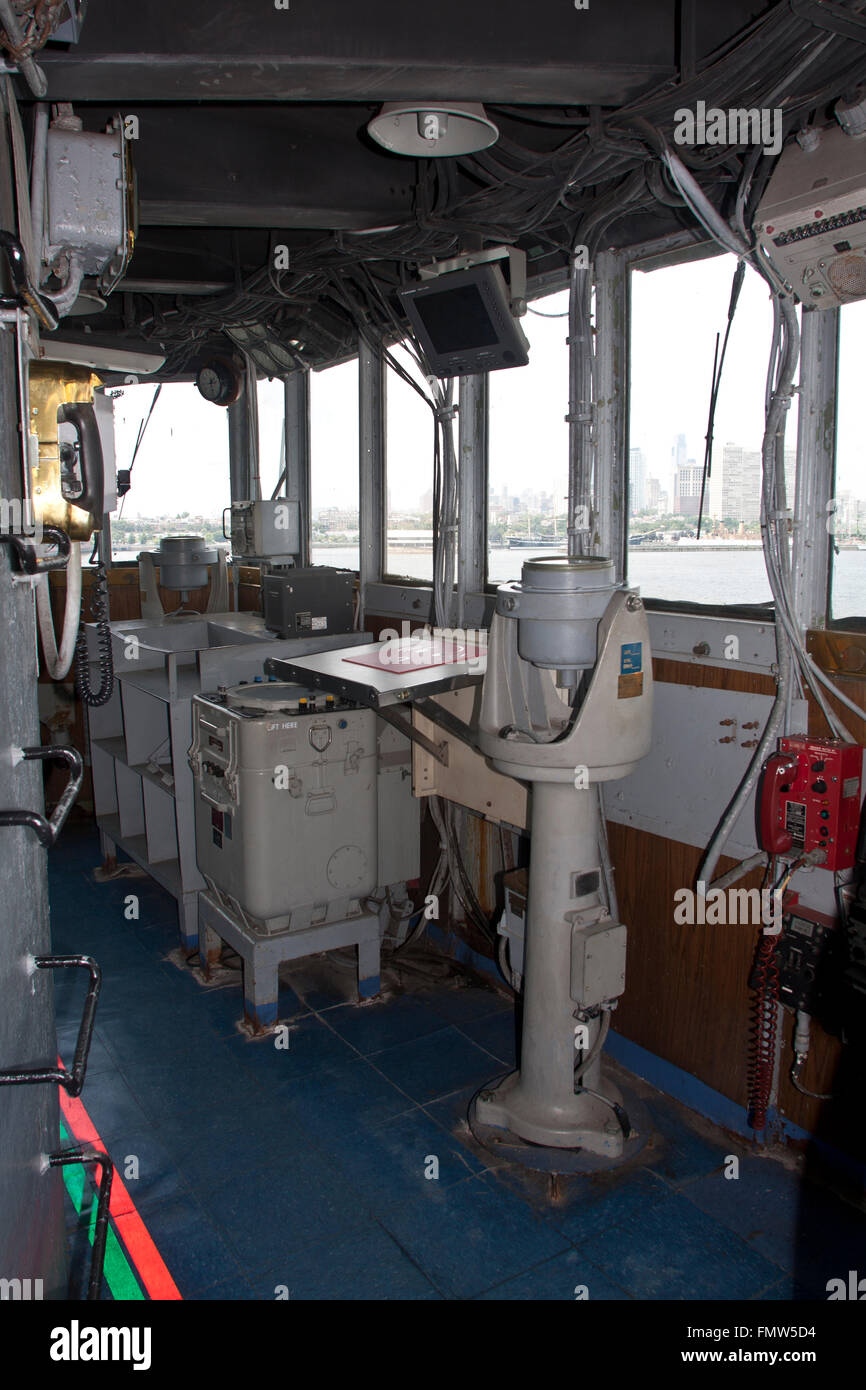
x,y
219,381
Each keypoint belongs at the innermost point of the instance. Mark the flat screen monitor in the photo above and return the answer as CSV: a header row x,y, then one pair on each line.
x,y
464,322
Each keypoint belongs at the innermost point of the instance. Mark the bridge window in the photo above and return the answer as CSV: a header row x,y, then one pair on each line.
x,y
849,518
528,478
334,482
676,313
272,415
180,478
409,473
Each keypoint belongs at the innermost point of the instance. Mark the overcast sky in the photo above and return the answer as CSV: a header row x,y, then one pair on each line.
x,y
676,313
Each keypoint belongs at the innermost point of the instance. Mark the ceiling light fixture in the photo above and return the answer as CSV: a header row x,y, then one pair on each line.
x,y
434,128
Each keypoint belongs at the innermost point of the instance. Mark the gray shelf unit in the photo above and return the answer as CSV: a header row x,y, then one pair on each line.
x,y
139,741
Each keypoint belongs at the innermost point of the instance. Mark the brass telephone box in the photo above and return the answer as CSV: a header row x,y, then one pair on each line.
x,y
68,479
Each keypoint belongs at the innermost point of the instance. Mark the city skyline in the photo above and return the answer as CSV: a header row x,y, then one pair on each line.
x,y
733,493
185,452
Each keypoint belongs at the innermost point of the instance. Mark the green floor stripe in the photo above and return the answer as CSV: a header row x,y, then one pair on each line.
x,y
118,1271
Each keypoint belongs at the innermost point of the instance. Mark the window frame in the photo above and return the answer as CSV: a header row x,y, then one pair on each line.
x,y
394,596
682,249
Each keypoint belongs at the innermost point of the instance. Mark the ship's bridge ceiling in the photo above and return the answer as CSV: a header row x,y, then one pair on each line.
x,y
251,126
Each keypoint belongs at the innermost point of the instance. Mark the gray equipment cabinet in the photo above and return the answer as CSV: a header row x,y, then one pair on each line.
x,y
307,831
139,741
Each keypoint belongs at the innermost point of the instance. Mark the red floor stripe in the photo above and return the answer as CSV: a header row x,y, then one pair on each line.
x,y
148,1262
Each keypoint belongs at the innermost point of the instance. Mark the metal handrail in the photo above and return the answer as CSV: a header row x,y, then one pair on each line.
x,y
47,830
100,1234
72,1081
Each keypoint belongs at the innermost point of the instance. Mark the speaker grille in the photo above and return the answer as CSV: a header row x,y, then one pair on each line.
x,y
847,275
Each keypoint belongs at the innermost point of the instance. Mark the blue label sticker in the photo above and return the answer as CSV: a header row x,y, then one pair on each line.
x,y
631,658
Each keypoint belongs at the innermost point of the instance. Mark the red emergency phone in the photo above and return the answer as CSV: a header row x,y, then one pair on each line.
x,y
809,797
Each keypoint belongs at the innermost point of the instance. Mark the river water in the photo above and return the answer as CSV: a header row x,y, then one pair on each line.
x,y
713,576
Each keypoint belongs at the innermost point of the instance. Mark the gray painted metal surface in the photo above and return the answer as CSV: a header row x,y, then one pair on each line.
x,y
816,449
240,455
371,424
579,417
575,947
149,715
702,743
32,1241
285,806
218,51
473,474
263,954
611,407
387,684
289,869
297,430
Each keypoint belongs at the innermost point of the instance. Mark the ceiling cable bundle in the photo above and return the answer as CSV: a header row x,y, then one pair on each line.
x,y
593,168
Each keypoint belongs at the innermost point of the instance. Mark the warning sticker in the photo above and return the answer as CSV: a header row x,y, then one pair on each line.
x,y
319,624
631,657
795,820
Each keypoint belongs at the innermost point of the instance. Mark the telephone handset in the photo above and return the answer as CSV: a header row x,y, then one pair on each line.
x,y
81,415
777,774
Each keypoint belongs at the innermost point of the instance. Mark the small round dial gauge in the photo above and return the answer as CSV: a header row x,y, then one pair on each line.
x,y
219,381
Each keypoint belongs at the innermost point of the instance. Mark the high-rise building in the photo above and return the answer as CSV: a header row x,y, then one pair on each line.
x,y
735,484
740,487
637,500
688,479
848,517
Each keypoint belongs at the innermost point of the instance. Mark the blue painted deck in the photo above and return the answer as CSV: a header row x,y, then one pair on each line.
x,y
305,1167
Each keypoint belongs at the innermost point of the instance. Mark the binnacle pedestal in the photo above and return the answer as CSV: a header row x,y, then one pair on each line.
x,y
539,1102
566,705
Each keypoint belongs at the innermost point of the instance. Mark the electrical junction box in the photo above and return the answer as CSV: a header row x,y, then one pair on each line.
x,y
89,198
598,951
812,218
597,962
305,602
819,806
265,528
286,804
